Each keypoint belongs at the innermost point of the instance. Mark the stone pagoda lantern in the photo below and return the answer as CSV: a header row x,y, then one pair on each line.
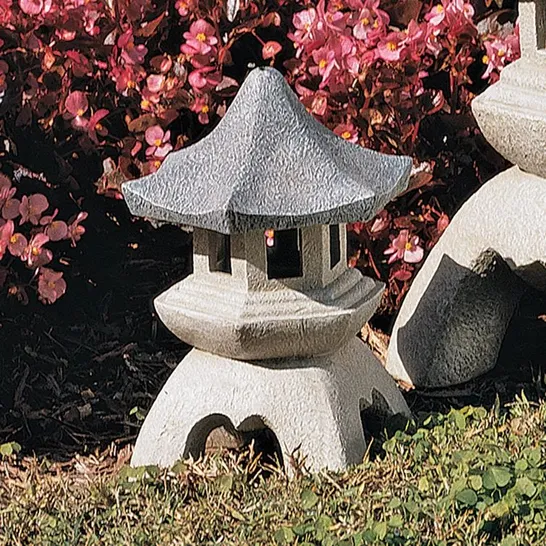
x,y
453,321
271,307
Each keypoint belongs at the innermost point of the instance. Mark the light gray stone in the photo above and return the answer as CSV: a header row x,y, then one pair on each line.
x,y
312,405
454,317
247,316
268,165
453,320
512,112
271,351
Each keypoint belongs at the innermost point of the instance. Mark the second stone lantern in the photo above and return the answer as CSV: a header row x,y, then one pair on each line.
x,y
271,308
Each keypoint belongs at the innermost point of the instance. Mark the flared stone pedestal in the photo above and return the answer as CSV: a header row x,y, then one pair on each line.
x,y
454,318
312,405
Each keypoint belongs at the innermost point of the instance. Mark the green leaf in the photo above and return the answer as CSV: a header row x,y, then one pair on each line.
x,y
533,456
459,419
303,528
467,496
521,465
475,482
323,523
525,487
509,541
499,509
224,483
423,484
396,521
9,449
380,530
284,535
496,476
394,503
308,499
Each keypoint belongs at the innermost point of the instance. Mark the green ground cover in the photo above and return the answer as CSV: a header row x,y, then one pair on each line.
x,y
467,477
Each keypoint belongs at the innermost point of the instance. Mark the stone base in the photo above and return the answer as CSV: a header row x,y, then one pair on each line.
x,y
312,405
453,320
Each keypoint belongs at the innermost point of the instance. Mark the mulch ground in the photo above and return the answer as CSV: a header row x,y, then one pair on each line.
x,y
71,374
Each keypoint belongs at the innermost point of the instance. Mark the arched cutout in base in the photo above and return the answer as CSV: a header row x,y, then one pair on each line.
x,y
252,430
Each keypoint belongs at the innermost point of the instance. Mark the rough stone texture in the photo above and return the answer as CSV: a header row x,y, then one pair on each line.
x,y
453,319
312,405
512,113
269,351
247,316
268,165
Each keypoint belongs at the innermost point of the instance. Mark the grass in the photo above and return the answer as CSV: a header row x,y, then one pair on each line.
x,y
468,477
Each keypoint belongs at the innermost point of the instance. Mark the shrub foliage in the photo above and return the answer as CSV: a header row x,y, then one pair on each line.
x,y
124,82
471,477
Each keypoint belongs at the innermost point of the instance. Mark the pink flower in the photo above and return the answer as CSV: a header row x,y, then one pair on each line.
x,y
499,52
51,285
32,207
76,104
400,273
57,230
404,248
31,7
131,53
17,244
437,14
391,47
200,39
200,106
371,23
183,7
325,59
75,230
270,49
9,205
127,77
381,223
347,132
34,254
319,105
304,21
5,11
11,208
330,17
204,79
6,232
94,125
158,140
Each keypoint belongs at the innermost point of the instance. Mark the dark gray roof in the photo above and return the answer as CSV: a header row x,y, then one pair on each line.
x,y
268,164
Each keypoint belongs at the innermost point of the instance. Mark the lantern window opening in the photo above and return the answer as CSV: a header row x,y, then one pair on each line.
x,y
283,250
335,245
219,253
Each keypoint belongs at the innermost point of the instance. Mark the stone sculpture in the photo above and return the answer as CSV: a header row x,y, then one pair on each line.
x,y
271,307
453,320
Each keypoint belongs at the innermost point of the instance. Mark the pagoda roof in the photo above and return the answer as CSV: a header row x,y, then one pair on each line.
x,y
268,164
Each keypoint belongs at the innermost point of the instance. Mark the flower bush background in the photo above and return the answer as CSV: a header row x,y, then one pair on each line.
x,y
110,87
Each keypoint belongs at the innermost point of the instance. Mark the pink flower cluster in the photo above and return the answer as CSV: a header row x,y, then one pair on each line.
x,y
500,50
367,78
27,214
125,82
354,52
